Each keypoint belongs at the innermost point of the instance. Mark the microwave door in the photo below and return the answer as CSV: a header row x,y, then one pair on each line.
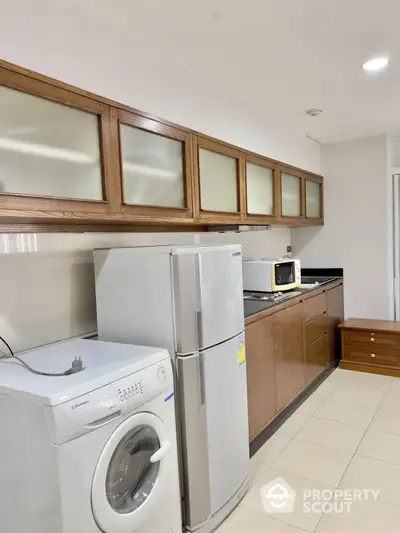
x,y
285,273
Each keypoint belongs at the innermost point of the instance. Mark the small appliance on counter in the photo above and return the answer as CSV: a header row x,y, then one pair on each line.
x,y
271,275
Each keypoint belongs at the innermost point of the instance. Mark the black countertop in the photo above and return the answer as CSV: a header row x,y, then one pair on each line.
x,y
252,307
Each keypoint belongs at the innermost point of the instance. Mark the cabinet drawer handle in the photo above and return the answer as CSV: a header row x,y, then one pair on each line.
x,y
373,355
372,339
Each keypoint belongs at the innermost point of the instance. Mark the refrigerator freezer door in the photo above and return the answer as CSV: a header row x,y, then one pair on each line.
x,y
208,288
215,424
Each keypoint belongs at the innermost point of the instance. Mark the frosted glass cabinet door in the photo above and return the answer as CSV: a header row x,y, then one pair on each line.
x,y
291,195
313,199
260,190
47,148
152,167
218,181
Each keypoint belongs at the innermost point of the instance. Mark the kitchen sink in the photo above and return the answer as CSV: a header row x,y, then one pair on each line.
x,y
321,280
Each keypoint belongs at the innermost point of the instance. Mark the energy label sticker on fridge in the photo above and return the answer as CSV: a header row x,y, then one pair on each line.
x,y
241,354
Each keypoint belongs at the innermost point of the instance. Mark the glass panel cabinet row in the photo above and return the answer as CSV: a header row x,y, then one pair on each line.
x,y
90,157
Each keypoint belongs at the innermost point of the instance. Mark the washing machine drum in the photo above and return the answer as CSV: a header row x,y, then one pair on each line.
x,y
130,476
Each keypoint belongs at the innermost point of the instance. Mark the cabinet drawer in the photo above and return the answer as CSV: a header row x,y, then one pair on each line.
x,y
314,307
316,358
357,354
315,329
370,337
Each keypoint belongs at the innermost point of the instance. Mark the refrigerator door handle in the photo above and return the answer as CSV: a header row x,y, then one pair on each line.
x,y
202,383
199,329
199,312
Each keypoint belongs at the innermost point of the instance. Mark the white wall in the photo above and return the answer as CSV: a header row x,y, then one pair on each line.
x,y
47,280
67,41
48,295
357,231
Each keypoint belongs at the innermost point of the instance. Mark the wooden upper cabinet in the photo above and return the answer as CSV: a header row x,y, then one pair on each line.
x,y
219,176
291,194
54,150
155,165
314,197
261,190
70,156
300,197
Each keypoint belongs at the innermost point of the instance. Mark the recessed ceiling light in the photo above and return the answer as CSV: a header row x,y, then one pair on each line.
x,y
313,112
378,63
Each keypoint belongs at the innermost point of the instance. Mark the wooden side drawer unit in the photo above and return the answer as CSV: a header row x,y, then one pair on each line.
x,y
371,346
371,338
314,307
361,354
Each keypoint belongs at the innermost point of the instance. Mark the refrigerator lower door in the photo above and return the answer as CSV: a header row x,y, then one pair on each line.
x,y
214,420
208,294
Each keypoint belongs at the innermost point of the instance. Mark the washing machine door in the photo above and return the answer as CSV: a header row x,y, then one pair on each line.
x,y
130,476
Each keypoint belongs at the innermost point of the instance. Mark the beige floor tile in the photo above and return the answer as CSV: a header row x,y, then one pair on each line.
x,y
358,395
344,378
313,462
386,420
348,413
243,520
391,399
335,435
267,454
326,387
365,473
298,518
381,446
293,424
315,401
364,517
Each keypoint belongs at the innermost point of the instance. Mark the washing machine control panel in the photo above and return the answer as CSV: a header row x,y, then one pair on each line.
x,y
106,403
142,386
125,394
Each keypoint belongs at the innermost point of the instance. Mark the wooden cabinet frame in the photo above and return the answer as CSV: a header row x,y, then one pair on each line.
x,y
291,220
318,221
218,217
29,210
152,212
260,218
23,205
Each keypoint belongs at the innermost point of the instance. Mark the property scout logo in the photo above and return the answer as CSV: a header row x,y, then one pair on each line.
x,y
279,497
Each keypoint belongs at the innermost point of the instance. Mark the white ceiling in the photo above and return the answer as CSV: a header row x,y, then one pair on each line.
x,y
281,56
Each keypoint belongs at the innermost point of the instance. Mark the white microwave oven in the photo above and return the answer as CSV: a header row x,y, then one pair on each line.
x,y
271,275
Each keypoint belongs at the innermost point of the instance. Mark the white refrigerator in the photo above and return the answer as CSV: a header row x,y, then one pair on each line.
x,y
189,300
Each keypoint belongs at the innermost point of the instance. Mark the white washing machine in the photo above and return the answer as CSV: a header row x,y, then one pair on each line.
x,y
93,451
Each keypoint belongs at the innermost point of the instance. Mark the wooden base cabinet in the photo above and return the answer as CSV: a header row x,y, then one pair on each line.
x,y
287,350
335,316
260,375
316,358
